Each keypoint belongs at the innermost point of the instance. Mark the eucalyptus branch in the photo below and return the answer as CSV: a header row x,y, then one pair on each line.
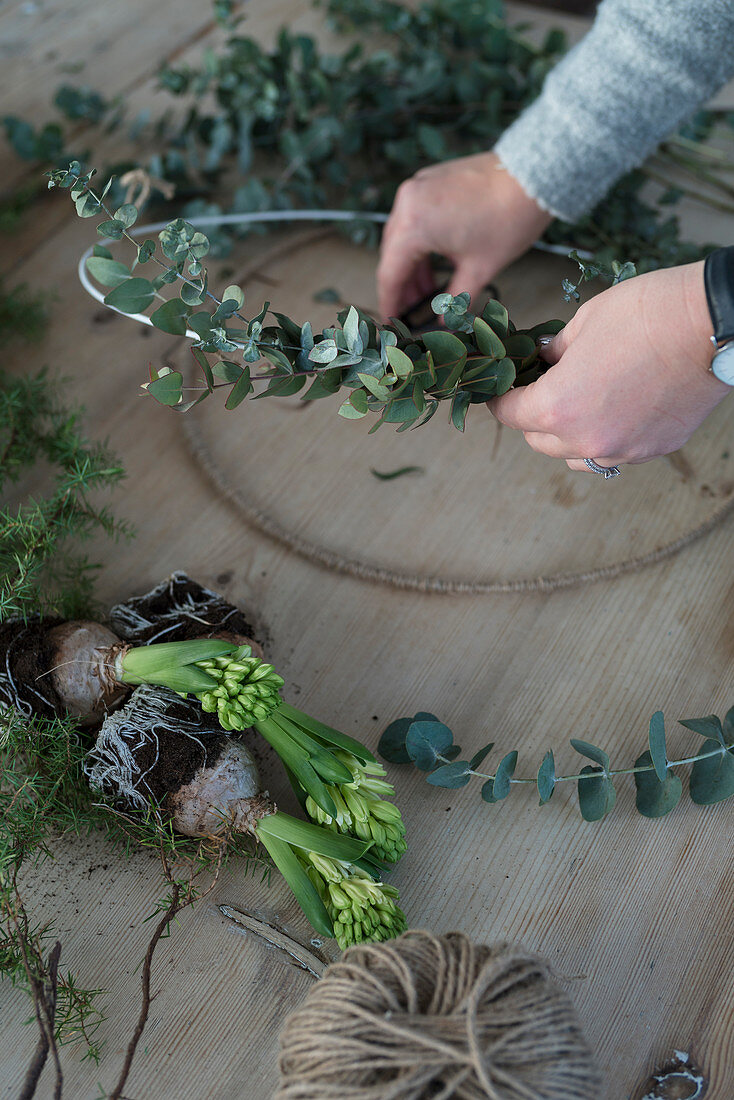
x,y
385,370
429,745
300,125
689,192
116,227
693,168
700,151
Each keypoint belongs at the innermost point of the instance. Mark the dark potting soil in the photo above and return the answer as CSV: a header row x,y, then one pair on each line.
x,y
177,609
27,652
170,760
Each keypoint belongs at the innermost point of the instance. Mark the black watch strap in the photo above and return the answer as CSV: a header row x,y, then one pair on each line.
x,y
718,279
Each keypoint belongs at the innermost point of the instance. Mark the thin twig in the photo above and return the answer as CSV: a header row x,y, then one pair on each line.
x,y
173,909
177,903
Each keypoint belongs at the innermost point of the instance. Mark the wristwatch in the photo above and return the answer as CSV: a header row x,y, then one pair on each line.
x,y
718,279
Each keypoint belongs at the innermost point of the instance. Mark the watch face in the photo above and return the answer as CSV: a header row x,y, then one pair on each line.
x,y
723,364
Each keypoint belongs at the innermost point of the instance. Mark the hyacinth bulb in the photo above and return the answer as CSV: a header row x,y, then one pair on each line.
x,y
162,750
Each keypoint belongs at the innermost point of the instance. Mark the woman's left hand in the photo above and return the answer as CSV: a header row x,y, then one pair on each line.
x,y
630,376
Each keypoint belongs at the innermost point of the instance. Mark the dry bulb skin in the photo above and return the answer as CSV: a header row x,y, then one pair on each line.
x,y
59,668
221,796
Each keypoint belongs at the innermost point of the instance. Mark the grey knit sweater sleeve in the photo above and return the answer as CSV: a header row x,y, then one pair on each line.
x,y
644,67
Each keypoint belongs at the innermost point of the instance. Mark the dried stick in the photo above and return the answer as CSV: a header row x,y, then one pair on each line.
x,y
176,904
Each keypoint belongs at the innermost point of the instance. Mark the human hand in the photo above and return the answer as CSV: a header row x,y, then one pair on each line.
x,y
630,378
470,210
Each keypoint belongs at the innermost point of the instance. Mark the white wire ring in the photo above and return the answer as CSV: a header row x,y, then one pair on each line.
x,y
251,219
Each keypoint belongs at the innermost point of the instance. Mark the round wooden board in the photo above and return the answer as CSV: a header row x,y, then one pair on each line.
x,y
484,508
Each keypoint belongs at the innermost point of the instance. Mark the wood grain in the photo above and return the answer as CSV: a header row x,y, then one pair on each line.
x,y
635,915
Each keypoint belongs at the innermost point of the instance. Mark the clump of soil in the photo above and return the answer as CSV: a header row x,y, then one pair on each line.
x,y
26,654
176,755
163,741
178,609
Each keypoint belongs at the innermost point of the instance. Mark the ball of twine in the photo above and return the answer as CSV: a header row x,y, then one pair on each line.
x,y
434,1017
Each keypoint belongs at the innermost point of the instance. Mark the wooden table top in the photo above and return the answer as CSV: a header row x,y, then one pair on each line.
x,y
634,914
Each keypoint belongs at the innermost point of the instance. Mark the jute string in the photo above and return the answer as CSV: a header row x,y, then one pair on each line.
x,y
318,554
428,1016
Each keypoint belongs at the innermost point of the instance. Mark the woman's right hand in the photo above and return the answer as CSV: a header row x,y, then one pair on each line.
x,y
470,210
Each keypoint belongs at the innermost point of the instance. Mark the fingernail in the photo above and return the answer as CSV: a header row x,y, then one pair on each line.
x,y
544,339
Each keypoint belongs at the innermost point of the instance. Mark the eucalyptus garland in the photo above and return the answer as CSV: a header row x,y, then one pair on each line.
x,y
300,125
386,370
429,745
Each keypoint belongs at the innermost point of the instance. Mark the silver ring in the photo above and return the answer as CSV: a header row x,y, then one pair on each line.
x,y
608,471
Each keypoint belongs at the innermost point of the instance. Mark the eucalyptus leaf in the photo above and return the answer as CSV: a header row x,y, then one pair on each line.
x,y
112,229
127,214
242,387
351,331
656,741
324,352
107,272
519,346
480,755
592,752
729,726
503,775
172,317
707,727
167,388
392,475
392,745
596,794
355,407
453,775
488,341
446,349
400,362
194,294
226,370
145,251
233,293
459,409
712,779
426,741
134,295
546,780
656,797
495,315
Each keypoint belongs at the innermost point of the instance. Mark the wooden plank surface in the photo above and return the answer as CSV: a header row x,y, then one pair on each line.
x,y
634,914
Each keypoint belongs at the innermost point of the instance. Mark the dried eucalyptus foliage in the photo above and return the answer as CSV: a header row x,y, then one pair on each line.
x,y
429,744
307,126
40,565
385,370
